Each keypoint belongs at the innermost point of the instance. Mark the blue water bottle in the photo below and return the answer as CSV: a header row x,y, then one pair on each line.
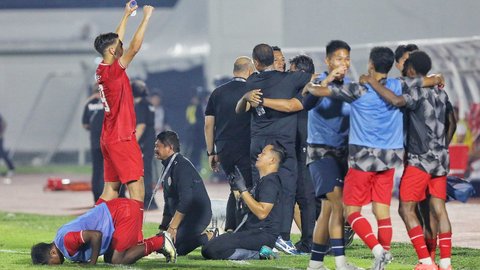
x,y
132,4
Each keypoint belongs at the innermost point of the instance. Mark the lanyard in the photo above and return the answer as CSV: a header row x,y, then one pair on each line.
x,y
160,180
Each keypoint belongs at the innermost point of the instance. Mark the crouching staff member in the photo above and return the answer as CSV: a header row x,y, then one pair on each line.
x,y
257,236
187,210
111,229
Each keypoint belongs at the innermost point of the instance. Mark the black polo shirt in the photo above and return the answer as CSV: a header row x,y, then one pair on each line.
x,y
267,190
145,114
277,85
229,126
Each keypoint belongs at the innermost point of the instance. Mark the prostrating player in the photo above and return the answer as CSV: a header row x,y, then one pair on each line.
x,y
429,133
122,156
110,229
328,126
375,149
258,234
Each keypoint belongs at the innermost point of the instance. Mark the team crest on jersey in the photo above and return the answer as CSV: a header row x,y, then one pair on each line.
x,y
169,181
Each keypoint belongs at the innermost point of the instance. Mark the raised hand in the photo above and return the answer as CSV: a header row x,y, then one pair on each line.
x,y
129,8
147,11
237,182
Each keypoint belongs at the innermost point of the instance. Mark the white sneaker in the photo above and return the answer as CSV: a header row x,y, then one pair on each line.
x,y
168,250
286,247
349,266
380,262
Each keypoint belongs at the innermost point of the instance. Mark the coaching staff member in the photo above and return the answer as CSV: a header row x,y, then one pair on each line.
x,y
227,134
187,210
263,221
269,123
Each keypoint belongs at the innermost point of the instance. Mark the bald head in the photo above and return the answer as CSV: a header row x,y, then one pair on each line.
x,y
243,67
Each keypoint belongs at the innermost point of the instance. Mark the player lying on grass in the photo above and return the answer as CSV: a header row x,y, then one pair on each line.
x,y
111,229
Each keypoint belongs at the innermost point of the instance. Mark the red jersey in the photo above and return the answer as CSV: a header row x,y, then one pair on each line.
x,y
116,93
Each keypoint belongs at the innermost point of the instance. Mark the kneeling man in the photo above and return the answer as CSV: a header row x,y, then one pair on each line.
x,y
255,238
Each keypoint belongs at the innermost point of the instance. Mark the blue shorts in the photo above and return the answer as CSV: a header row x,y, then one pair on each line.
x,y
327,173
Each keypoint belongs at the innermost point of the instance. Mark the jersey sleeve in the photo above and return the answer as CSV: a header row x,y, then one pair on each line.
x,y
301,79
411,96
73,241
270,189
409,83
185,177
210,109
347,92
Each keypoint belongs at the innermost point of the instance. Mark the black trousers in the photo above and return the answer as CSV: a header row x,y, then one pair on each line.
x,y
97,172
190,233
4,156
223,246
288,179
305,196
231,154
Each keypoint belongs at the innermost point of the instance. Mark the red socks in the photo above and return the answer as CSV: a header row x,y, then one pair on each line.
x,y
153,244
418,241
445,243
363,229
385,233
432,246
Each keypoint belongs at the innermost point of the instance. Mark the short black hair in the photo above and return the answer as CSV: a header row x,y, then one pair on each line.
x,y
276,49
139,88
303,63
420,62
335,45
170,138
400,50
103,41
382,59
280,151
41,253
263,53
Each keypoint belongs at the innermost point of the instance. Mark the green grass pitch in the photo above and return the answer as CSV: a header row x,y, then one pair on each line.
x,y
18,232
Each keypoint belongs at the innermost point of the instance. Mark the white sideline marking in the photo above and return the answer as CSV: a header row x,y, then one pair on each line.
x,y
242,262
13,251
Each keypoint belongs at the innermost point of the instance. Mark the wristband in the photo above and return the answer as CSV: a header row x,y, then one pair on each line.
x,y
213,153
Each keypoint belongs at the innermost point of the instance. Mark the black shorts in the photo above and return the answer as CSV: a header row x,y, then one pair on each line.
x,y
327,173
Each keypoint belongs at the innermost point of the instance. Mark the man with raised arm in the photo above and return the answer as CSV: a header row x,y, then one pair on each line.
x,y
123,162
